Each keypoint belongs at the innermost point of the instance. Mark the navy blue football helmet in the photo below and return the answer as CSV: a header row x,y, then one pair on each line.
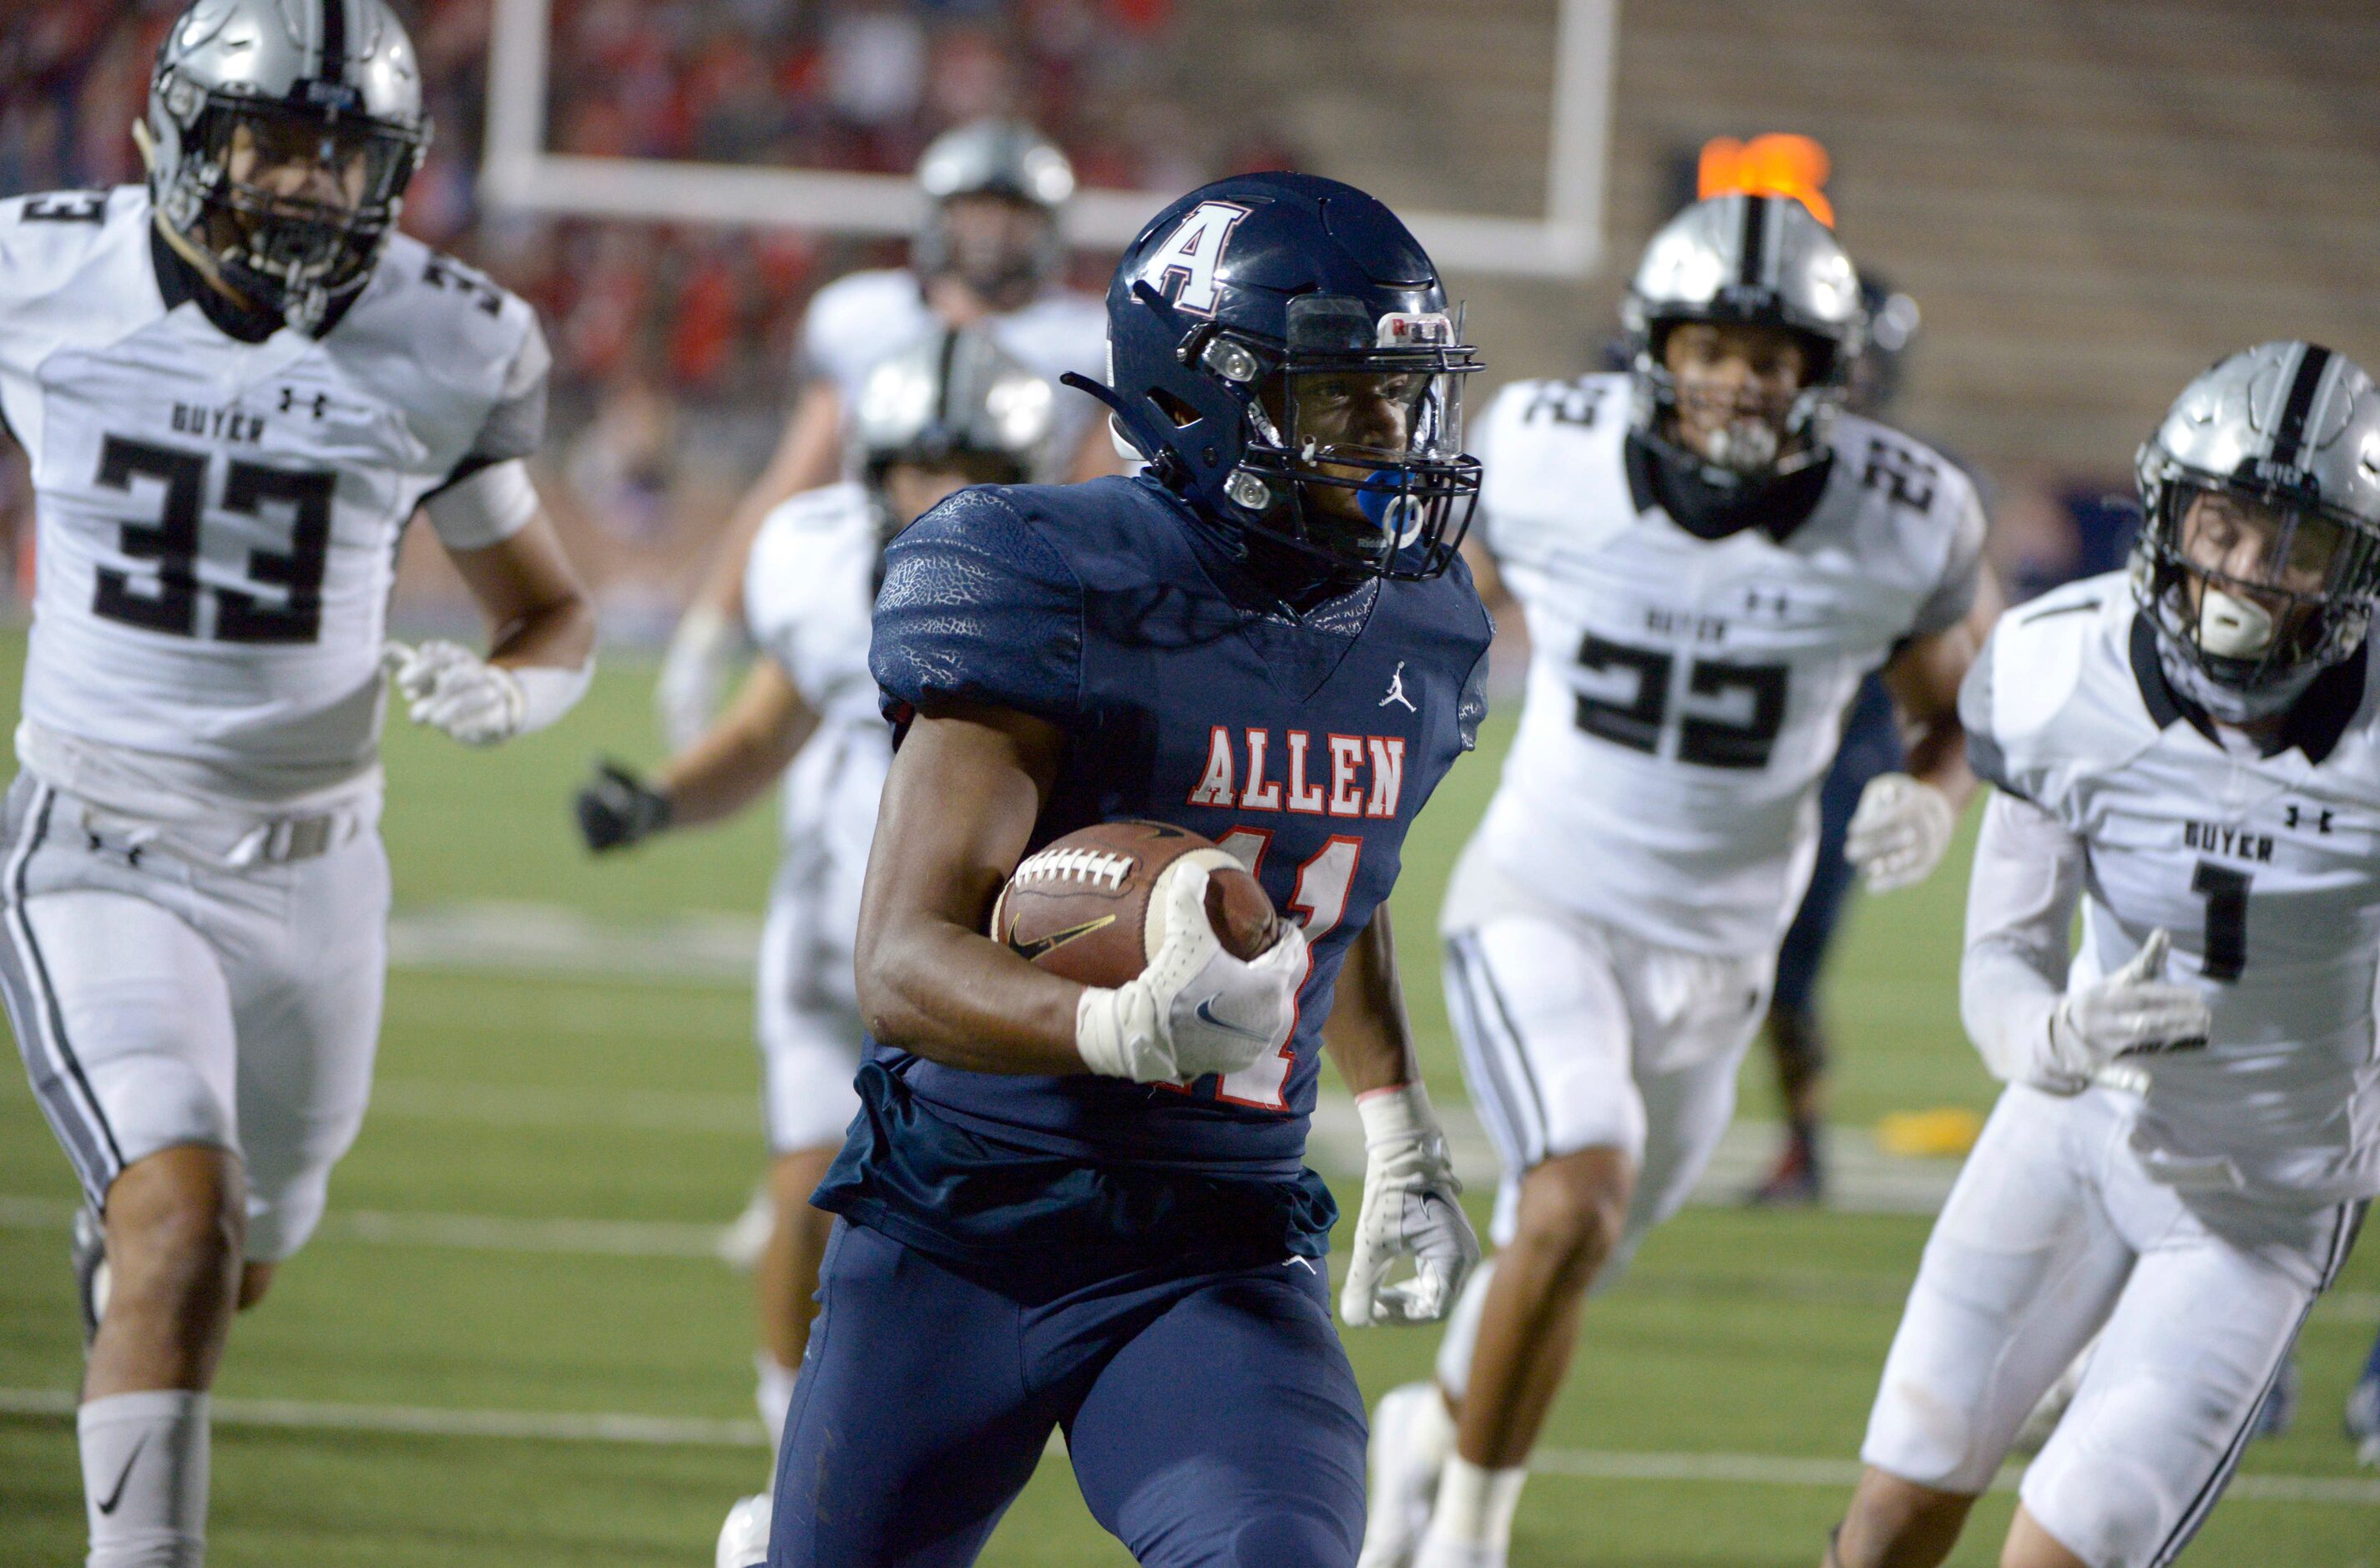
x,y
1283,356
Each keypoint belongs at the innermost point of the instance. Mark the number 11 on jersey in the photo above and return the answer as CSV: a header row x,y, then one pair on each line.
x,y
1319,899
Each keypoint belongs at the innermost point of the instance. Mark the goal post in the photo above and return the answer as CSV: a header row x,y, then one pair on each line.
x,y
517,172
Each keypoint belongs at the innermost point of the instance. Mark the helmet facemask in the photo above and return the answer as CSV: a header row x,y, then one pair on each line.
x,y
1003,248
2255,585
1354,451
1757,428
290,204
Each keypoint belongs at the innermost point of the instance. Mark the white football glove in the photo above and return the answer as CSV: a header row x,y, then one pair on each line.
x,y
694,675
452,688
1194,1009
1409,1212
1899,831
2130,1013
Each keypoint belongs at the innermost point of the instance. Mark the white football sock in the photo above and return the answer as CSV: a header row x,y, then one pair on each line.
x,y
775,1393
144,1479
1463,1333
1476,1504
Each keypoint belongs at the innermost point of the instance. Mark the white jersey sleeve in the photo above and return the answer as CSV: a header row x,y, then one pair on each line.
x,y
808,594
2262,864
487,496
217,518
2020,897
855,321
1685,695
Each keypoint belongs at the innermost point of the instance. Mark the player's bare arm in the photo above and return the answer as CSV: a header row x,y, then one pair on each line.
x,y
1923,681
959,807
1367,1034
743,754
537,610
541,643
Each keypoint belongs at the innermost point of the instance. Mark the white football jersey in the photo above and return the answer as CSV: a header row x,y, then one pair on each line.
x,y
858,321
2265,870
809,597
1685,695
217,520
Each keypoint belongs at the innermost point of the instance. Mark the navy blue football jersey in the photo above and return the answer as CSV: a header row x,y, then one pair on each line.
x,y
1306,745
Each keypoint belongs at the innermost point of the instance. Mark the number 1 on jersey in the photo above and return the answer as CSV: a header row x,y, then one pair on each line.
x,y
2226,891
1320,897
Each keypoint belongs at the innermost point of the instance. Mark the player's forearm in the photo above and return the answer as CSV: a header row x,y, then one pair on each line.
x,y
557,633
956,997
1935,749
1367,1035
741,757
2028,874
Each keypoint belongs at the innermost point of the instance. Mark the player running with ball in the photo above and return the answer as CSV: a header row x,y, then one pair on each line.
x,y
1084,1208
2191,1128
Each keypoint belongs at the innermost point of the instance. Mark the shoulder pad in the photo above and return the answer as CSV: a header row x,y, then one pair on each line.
x,y
455,313
2022,704
1541,445
979,605
802,562
47,238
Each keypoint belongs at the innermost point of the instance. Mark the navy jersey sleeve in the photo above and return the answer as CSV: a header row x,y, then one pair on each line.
x,y
977,606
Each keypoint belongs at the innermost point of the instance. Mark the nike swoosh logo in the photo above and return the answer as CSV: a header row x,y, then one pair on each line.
x,y
1206,1010
1039,945
108,1505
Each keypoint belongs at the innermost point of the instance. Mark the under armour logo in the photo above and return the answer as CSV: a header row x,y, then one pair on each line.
x,y
1397,690
320,402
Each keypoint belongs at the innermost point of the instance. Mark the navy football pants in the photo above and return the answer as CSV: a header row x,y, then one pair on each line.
x,y
1211,1418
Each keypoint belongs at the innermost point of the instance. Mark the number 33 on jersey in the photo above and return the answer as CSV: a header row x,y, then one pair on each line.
x,y
218,518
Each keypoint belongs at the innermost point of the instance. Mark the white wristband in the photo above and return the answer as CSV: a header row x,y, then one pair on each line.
x,y
1115,1034
1401,1110
548,693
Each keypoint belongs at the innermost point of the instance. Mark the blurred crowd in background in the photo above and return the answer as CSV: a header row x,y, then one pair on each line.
x,y
674,344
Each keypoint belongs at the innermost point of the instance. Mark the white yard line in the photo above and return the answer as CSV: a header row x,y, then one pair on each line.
x,y
661,1238
543,941
669,1432
466,1233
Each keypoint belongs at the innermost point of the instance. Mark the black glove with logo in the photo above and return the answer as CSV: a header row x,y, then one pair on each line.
x,y
617,808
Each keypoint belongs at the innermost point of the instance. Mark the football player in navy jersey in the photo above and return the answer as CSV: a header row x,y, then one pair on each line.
x,y
1085,1208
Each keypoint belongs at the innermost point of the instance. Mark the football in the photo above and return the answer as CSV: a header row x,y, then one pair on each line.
x,y
1091,906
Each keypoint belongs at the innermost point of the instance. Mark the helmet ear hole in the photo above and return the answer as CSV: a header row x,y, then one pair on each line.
x,y
1177,413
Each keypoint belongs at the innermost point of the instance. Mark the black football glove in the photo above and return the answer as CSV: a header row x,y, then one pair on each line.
x,y
617,809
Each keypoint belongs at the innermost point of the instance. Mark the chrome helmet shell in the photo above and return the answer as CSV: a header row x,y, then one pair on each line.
x,y
339,74
2291,430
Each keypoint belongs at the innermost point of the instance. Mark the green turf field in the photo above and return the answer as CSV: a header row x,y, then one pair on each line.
x,y
517,1246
